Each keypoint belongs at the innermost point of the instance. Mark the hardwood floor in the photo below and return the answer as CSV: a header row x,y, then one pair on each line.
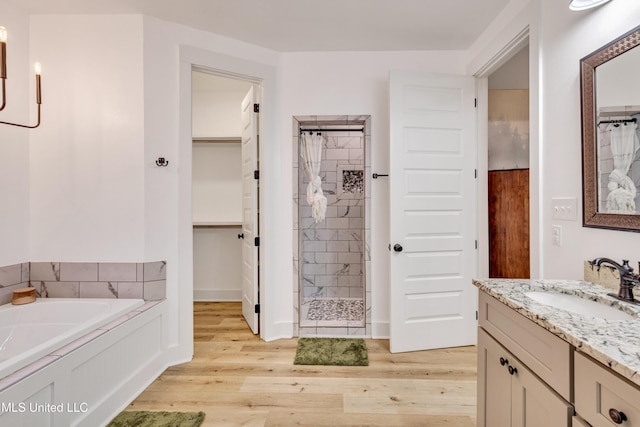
x,y
239,380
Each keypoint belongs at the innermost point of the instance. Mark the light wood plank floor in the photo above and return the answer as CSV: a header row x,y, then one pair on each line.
x,y
239,380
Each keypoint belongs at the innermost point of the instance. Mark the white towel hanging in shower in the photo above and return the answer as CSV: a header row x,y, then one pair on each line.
x,y
622,189
311,154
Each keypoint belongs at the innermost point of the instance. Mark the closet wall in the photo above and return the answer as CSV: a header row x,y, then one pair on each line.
x,y
217,187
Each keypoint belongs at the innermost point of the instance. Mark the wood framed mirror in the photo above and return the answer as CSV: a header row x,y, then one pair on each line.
x,y
610,135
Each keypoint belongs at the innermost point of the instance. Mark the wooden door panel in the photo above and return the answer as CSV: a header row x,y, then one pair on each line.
x,y
509,224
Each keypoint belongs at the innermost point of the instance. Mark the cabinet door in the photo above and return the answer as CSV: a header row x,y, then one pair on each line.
x,y
494,383
533,403
510,395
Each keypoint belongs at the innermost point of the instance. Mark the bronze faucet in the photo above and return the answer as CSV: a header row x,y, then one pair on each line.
x,y
627,278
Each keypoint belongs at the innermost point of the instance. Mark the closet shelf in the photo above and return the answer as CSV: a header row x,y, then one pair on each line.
x,y
214,139
205,224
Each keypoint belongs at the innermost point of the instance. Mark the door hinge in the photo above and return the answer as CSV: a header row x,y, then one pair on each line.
x,y
256,241
256,108
475,102
256,174
257,309
476,244
476,314
476,173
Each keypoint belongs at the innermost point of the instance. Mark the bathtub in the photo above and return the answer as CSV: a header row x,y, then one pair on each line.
x,y
31,331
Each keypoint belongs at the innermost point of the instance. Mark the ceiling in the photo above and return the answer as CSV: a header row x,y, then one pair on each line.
x,y
310,25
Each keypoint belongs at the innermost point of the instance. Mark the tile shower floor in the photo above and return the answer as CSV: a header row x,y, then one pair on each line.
x,y
330,312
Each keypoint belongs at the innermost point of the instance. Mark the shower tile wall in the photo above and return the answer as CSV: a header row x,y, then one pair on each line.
x,y
331,259
332,250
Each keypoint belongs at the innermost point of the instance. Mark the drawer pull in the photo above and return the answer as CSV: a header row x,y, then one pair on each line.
x,y
617,416
512,370
503,361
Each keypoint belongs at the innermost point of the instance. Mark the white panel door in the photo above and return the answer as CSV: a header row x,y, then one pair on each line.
x,y
249,120
432,213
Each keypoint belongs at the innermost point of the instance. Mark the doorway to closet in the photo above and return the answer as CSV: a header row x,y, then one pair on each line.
x,y
508,168
224,191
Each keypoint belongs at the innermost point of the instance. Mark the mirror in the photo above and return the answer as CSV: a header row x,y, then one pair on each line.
x,y
611,135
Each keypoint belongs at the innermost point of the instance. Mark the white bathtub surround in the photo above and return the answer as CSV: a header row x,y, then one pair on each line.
x,y
30,331
91,379
331,258
614,343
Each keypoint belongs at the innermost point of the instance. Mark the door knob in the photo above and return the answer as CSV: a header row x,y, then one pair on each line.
x,y
617,416
512,370
241,236
397,247
503,361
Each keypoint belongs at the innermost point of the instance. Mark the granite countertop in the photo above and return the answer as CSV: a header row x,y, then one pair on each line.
x,y
614,343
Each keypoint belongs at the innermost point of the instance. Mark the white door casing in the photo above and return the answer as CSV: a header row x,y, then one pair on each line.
x,y
432,211
250,260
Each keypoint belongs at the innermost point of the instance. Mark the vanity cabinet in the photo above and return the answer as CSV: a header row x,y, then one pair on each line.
x,y
603,398
524,371
511,395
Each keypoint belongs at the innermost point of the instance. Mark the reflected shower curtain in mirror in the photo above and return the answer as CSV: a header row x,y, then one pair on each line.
x,y
622,190
311,154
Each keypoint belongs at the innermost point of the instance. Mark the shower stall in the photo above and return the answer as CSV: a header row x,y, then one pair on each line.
x,y
331,226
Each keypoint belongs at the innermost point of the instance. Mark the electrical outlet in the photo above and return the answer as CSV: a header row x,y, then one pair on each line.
x,y
565,208
556,235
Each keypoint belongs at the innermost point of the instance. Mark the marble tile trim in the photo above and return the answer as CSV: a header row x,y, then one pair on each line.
x,y
86,279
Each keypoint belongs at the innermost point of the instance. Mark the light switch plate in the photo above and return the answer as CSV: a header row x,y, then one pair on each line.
x,y
565,208
556,235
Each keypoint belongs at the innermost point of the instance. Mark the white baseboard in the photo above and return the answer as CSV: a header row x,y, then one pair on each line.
x,y
380,330
216,295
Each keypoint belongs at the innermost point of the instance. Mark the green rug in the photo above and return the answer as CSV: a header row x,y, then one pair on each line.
x,y
157,419
331,351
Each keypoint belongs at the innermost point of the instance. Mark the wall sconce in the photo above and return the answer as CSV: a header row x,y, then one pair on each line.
x,y
585,4
3,77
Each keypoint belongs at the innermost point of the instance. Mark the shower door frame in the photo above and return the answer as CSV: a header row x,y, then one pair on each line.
x,y
349,328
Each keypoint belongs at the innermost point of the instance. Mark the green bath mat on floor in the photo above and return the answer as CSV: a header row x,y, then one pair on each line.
x,y
157,419
331,351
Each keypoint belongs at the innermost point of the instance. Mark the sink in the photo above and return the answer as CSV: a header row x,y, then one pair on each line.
x,y
578,305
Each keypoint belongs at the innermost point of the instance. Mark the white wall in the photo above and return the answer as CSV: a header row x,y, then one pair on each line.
x,y
14,141
217,182
513,74
566,37
86,161
216,105
354,83
559,38
169,235
217,264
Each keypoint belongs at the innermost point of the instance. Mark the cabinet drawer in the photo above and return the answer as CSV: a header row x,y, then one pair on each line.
x,y
598,390
544,353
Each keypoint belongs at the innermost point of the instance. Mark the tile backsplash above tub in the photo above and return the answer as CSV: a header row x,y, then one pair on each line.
x,y
86,279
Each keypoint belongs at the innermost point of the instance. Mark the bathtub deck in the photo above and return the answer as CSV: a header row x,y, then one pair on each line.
x,y
237,379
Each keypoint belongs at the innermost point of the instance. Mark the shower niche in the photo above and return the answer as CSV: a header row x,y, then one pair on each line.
x,y
331,251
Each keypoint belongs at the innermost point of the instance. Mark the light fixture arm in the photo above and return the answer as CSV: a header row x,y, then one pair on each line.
x,y
3,72
25,126
3,77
